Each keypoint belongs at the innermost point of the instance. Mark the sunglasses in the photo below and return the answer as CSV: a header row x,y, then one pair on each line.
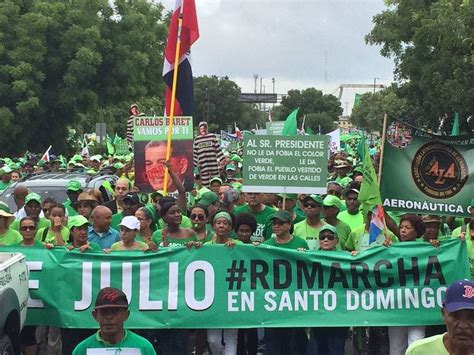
x,y
310,205
45,210
199,217
277,222
27,228
327,236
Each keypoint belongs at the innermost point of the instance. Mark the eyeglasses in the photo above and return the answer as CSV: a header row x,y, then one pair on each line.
x,y
277,222
327,236
45,210
27,228
310,205
199,217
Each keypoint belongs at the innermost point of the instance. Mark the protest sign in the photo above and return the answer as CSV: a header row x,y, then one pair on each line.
x,y
149,137
290,164
247,286
121,147
274,128
437,172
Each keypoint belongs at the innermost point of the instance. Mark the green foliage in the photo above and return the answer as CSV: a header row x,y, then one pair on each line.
x,y
215,101
75,63
320,110
432,46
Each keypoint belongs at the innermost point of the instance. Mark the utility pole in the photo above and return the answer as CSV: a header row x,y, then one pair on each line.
x,y
375,83
255,78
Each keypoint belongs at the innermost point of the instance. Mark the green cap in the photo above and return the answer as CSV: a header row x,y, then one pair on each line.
x,y
5,210
315,198
118,166
472,203
208,198
288,196
76,221
32,196
332,201
73,185
328,227
215,178
282,215
7,169
230,167
76,158
236,185
236,158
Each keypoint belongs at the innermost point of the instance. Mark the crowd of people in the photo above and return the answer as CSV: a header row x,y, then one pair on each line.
x,y
217,211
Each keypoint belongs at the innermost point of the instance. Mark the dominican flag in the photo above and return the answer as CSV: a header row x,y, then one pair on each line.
x,y
189,34
238,133
45,156
376,223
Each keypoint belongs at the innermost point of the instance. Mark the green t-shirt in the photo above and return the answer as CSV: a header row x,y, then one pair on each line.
x,y
294,243
185,223
469,244
172,242
209,234
93,247
343,231
433,346
140,246
70,210
236,241
308,233
359,239
36,244
352,220
268,232
10,237
116,219
261,218
42,223
51,236
131,342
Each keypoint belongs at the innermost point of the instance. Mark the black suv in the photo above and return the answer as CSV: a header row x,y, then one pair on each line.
x,y
54,185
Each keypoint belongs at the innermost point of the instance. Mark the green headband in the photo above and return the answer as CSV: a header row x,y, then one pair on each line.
x,y
222,214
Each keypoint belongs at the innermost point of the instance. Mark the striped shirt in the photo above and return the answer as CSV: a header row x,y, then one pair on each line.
x,y
207,154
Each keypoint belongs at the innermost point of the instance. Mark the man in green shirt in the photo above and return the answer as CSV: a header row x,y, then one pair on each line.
x,y
33,209
5,178
466,232
353,217
309,228
331,207
111,312
73,189
261,212
458,315
281,224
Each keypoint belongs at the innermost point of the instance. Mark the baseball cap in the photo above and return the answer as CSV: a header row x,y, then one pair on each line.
x,y
76,221
132,197
208,198
230,167
32,196
236,186
332,201
118,166
459,295
215,178
202,123
282,215
350,190
110,297
288,196
131,222
5,210
431,218
73,185
314,198
328,227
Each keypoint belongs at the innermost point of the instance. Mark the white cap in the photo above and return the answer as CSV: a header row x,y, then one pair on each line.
x,y
131,222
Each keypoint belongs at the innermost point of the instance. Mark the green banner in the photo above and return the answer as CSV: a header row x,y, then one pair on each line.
x,y
150,136
437,172
290,164
247,286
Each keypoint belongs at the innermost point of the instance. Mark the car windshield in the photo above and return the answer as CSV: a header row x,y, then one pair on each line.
x,y
56,192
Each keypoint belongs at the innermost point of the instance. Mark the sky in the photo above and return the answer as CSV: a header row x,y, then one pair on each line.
x,y
300,43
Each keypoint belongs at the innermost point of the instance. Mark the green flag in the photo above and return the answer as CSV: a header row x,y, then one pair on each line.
x,y
361,147
290,128
110,146
455,130
309,131
369,195
357,99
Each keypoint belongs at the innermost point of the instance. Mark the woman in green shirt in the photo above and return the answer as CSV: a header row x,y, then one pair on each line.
x,y
173,234
8,236
28,228
78,228
200,218
146,216
222,223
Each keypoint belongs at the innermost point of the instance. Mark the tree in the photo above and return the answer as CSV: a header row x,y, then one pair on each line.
x,y
216,101
75,63
369,114
320,110
431,43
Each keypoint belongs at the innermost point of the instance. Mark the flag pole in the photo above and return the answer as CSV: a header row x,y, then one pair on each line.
x,y
173,97
379,177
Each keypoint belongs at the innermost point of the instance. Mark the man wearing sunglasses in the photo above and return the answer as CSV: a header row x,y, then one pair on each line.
x,y
310,227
